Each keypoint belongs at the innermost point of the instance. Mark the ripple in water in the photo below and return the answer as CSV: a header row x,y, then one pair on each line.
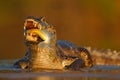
x,y
7,72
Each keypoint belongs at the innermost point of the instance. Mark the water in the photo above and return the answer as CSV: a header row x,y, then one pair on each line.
x,y
7,72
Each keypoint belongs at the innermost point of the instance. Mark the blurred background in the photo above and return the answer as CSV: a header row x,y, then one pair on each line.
x,y
94,23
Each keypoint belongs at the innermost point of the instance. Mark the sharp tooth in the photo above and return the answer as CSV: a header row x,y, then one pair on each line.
x,y
34,25
24,34
24,27
39,27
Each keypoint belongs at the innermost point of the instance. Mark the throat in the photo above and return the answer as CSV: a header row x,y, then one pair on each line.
x,y
43,57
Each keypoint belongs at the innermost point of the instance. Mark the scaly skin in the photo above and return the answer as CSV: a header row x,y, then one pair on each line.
x,y
104,56
44,51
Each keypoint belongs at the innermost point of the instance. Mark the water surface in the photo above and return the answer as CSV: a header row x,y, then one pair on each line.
x,y
7,72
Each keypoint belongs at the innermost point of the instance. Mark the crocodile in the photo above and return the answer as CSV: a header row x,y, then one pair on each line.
x,y
44,51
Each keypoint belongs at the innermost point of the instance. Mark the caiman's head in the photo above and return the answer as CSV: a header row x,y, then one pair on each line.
x,y
38,31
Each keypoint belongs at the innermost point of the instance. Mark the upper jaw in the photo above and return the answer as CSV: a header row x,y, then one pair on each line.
x,y
31,24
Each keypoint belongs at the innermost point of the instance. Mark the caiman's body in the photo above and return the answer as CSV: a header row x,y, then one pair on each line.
x,y
44,51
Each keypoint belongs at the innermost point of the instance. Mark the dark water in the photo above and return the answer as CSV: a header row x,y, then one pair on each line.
x,y
7,72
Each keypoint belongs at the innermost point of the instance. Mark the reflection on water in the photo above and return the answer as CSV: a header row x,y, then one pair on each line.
x,y
7,72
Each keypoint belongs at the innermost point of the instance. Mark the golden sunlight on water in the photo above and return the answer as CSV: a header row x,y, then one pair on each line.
x,y
7,72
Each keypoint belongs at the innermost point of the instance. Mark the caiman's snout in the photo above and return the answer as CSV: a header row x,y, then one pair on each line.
x,y
33,31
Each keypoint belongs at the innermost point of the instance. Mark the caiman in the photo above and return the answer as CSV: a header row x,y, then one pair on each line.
x,y
44,51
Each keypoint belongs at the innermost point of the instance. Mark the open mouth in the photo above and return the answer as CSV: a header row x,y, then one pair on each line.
x,y
31,25
33,33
